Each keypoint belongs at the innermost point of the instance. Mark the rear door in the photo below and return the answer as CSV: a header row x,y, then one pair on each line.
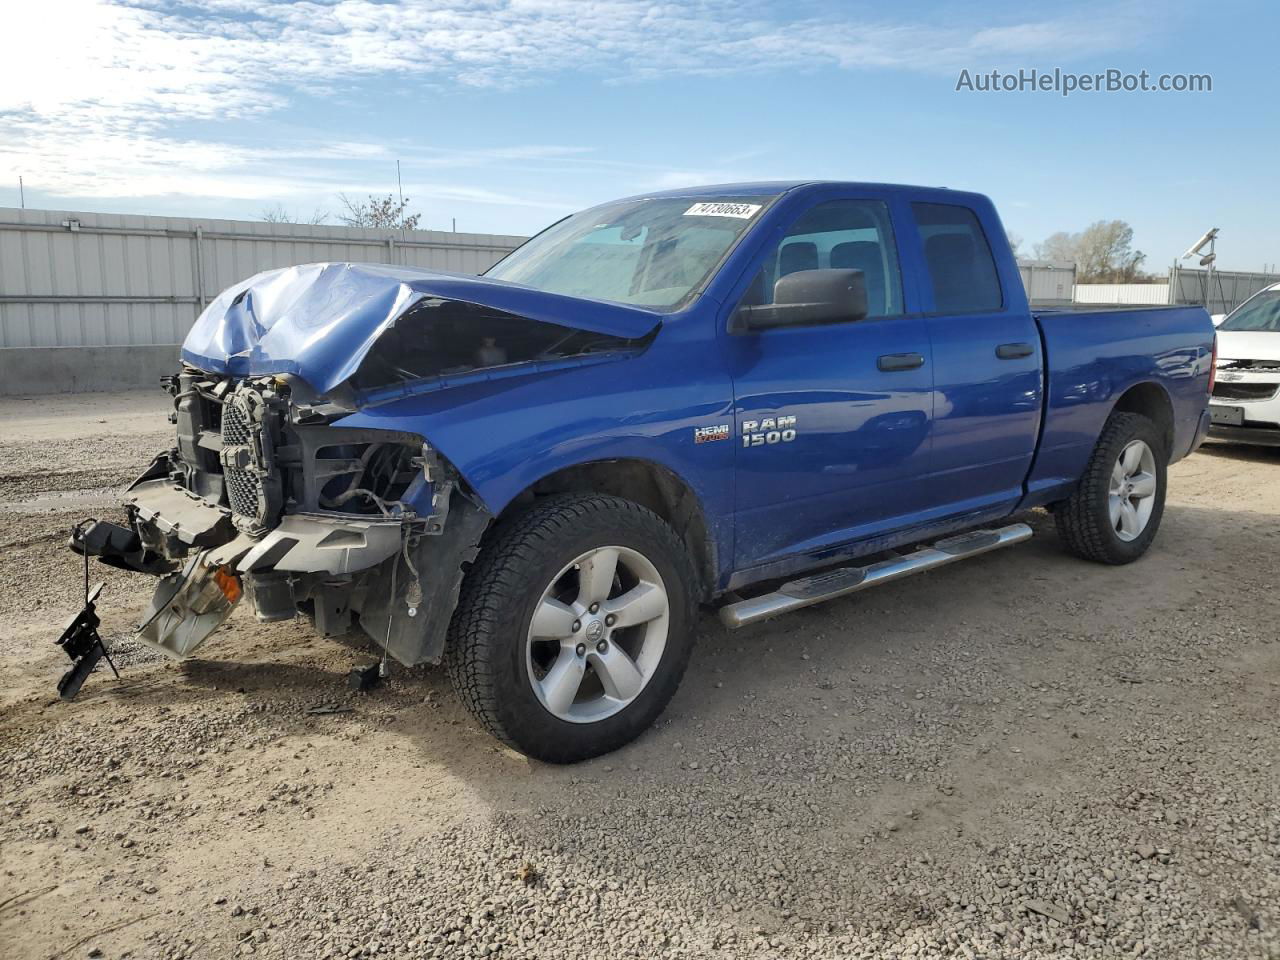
x,y
832,421
988,367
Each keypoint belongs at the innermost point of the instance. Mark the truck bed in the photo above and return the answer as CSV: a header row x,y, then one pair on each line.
x,y
1092,356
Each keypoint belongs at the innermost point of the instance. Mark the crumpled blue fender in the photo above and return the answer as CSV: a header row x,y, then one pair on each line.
x,y
318,321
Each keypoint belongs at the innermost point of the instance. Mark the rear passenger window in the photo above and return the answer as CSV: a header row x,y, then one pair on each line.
x,y
841,235
956,251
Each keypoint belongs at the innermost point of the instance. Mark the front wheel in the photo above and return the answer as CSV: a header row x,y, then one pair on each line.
x,y
574,628
1116,509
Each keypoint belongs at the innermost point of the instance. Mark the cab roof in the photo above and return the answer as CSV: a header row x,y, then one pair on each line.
x,y
766,188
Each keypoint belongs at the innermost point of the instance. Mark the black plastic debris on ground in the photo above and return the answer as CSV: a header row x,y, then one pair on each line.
x,y
81,642
363,678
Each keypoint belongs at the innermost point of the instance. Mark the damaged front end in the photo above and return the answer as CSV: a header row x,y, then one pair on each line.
x,y
267,494
263,496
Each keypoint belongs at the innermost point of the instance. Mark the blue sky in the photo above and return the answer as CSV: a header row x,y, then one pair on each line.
x,y
506,114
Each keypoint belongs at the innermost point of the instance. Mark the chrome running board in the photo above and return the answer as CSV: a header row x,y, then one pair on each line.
x,y
807,591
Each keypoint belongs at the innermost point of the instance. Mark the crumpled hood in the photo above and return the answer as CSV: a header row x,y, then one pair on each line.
x,y
319,320
1248,345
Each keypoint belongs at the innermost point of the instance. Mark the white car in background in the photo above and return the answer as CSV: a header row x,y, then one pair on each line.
x,y
1245,406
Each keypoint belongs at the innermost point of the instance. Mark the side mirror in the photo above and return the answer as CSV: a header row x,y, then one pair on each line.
x,y
807,298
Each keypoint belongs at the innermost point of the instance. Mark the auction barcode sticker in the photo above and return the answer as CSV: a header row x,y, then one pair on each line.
x,y
743,211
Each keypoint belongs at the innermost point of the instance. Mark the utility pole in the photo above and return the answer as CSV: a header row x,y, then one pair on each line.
x,y
22,194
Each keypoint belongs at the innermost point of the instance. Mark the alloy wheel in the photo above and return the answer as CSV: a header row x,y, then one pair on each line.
x,y
1132,494
597,634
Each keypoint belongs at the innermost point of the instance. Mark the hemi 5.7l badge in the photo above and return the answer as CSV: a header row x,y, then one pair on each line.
x,y
707,434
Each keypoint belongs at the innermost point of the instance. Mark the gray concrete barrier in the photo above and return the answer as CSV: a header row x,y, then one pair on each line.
x,y
25,371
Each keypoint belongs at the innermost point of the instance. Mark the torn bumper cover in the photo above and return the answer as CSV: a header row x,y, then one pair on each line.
x,y
314,544
300,543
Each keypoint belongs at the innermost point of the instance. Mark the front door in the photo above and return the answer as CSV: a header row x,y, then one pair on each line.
x,y
832,421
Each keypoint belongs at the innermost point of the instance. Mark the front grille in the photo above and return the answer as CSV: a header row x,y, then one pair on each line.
x,y
236,425
1245,391
244,493
244,489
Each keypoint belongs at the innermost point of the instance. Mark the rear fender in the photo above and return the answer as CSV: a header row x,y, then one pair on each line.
x,y
1094,360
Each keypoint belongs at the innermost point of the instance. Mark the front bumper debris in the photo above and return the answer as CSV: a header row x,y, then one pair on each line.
x,y
178,515
313,544
263,496
118,547
188,606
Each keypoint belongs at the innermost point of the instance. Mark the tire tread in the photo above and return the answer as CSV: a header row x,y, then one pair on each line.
x,y
1079,524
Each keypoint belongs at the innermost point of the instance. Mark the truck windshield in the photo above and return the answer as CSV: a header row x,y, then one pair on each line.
x,y
1261,314
652,253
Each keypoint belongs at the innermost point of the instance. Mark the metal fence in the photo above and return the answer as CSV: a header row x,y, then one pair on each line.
x,y
92,279
1220,292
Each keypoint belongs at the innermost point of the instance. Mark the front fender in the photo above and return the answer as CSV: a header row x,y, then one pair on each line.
x,y
505,435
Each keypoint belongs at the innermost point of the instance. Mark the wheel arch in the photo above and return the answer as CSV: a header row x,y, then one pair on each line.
x,y
1151,400
647,483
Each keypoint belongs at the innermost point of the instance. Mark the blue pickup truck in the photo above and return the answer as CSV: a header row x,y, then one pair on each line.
x,y
754,396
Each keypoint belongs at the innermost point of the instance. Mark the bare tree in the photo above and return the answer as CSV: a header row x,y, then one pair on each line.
x,y
385,212
278,214
1102,252
1015,243
1057,246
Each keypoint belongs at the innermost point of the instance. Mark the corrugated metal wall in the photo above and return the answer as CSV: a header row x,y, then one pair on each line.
x,y
93,279
1047,282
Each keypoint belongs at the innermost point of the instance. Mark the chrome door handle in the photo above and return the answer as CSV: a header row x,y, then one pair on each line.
x,y
899,361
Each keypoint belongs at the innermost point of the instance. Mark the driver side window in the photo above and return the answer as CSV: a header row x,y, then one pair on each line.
x,y
840,235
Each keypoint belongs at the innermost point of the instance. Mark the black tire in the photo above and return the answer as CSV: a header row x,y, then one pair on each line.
x,y
486,652
1084,520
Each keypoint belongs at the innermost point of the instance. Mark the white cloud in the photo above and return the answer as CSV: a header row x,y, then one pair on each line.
x,y
135,165
91,90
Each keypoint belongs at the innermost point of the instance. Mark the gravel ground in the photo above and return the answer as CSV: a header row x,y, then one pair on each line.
x,y
1020,756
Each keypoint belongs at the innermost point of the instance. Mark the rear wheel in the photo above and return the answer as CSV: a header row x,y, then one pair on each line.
x,y
574,628
1115,511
